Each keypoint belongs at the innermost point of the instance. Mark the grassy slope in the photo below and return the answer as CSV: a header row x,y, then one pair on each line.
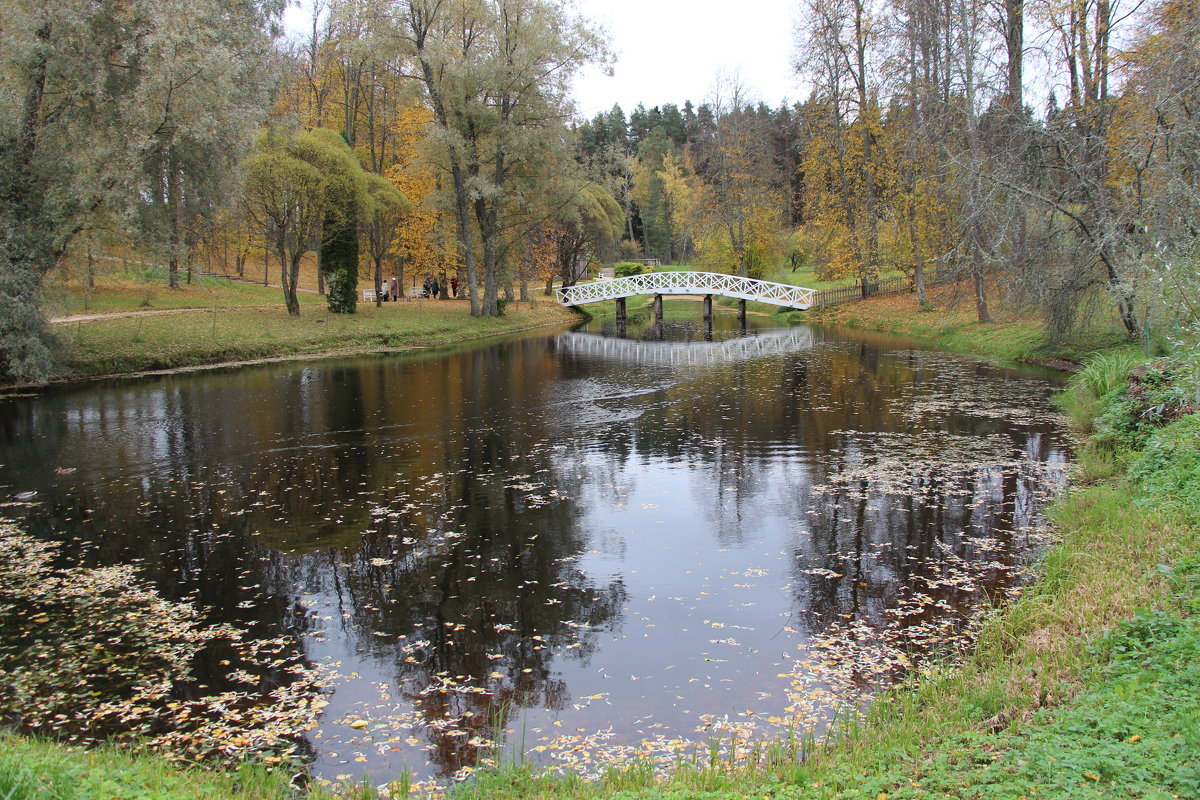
x,y
217,320
134,343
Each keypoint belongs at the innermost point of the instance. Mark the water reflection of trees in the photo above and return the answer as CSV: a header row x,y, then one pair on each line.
x,y
436,502
246,491
875,518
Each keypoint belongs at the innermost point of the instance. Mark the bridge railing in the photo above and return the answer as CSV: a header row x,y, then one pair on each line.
x,y
779,294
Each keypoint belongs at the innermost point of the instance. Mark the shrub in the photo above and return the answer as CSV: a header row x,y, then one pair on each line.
x,y
1169,466
93,654
624,269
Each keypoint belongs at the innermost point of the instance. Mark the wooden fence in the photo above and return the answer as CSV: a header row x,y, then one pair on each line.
x,y
893,285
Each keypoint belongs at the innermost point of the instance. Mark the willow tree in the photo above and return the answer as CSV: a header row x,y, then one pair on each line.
x,y
285,197
306,192
496,75
81,116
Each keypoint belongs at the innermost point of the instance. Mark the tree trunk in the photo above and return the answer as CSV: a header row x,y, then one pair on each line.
x,y
91,266
462,209
918,264
173,238
1014,45
378,281
485,215
288,278
981,306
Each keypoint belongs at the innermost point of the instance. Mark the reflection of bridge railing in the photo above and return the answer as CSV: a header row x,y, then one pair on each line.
x,y
633,351
778,294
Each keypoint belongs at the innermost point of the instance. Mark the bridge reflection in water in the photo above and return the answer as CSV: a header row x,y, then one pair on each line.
x,y
632,351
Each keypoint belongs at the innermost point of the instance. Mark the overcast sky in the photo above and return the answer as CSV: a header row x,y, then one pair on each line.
x,y
669,51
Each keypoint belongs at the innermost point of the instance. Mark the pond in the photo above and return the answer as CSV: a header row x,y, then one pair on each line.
x,y
584,545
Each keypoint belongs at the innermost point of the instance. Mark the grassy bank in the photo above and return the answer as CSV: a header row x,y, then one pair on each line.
x,y
950,321
189,338
39,770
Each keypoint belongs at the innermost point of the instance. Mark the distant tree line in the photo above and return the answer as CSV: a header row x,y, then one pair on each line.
x,y
917,149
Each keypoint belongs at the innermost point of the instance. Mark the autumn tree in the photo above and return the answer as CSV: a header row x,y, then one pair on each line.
x,y
742,199
839,52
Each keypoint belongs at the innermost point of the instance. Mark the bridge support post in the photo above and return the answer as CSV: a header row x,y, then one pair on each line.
x,y
620,309
658,308
708,308
741,315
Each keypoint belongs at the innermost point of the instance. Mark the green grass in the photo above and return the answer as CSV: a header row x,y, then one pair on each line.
x,y
31,769
951,323
129,344
1133,732
146,290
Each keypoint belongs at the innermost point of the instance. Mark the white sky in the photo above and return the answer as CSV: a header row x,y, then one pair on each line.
x,y
669,51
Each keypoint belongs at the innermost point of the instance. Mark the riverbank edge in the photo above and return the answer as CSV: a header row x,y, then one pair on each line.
x,y
197,358
1008,337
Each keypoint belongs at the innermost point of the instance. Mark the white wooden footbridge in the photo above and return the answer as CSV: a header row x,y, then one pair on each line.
x,y
706,284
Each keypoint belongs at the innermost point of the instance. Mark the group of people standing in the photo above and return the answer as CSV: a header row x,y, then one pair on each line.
x,y
390,289
432,287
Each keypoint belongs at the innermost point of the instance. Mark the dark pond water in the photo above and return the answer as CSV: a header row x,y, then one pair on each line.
x,y
625,544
